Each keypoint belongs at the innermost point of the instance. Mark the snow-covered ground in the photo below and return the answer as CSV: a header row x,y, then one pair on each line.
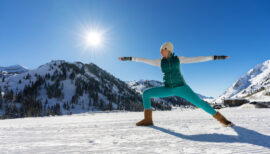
x,y
260,96
177,131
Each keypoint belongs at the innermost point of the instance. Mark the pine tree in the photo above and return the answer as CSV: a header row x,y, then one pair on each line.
x,y
1,99
19,97
101,104
83,106
57,109
28,76
89,103
72,75
110,106
9,95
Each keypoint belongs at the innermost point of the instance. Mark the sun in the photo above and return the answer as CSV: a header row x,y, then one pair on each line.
x,y
93,38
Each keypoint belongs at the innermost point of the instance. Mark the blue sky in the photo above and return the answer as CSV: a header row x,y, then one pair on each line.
x,y
34,32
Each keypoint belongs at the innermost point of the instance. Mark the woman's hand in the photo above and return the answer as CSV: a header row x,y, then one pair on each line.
x,y
222,57
125,58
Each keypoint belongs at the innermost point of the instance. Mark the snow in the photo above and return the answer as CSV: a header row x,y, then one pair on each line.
x,y
115,89
12,81
248,106
177,131
14,69
92,75
260,96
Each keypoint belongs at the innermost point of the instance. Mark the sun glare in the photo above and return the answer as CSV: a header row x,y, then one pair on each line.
x,y
93,38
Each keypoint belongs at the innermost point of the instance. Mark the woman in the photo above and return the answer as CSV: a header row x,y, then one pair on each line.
x,y
174,83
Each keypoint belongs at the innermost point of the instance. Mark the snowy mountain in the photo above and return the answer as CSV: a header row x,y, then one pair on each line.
x,y
61,87
254,85
141,85
12,70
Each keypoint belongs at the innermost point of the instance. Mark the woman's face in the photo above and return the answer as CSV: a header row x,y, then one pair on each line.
x,y
164,52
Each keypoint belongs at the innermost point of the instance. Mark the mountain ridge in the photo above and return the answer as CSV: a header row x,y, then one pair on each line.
x,y
255,80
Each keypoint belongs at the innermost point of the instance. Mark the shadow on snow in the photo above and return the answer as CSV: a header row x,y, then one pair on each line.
x,y
244,136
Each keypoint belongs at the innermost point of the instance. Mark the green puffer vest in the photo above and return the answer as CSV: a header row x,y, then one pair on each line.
x,y
172,76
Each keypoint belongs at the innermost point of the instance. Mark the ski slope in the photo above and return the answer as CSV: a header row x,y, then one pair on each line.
x,y
177,131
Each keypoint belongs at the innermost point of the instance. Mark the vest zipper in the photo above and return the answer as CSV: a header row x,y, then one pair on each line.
x,y
170,74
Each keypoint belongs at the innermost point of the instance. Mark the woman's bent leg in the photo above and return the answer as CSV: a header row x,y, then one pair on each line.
x,y
147,94
155,92
187,93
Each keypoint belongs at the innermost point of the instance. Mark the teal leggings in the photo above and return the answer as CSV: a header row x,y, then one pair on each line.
x,y
183,91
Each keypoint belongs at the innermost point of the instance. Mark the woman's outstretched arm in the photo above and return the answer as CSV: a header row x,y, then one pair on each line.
x,y
200,58
153,62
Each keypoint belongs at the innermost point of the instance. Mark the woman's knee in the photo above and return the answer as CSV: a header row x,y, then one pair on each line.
x,y
146,93
205,106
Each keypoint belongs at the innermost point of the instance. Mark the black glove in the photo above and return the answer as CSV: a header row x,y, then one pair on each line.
x,y
222,57
126,58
